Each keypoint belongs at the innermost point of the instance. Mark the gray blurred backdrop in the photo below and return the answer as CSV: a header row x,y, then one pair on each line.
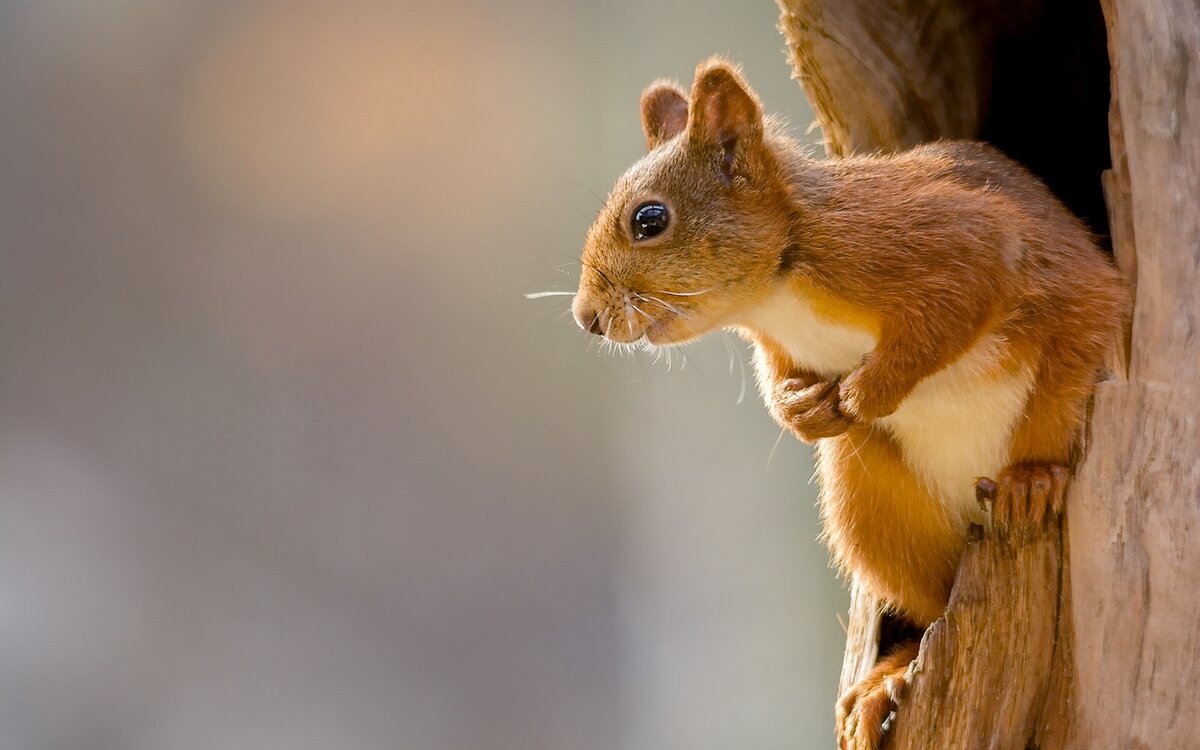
x,y
287,460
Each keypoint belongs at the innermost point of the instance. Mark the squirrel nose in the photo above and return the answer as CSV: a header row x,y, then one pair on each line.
x,y
588,319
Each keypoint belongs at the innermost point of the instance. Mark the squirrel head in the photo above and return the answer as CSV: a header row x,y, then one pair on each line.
x,y
695,230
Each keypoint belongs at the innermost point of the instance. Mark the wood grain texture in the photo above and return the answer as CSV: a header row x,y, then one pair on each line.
x,y
983,674
878,75
1136,508
862,637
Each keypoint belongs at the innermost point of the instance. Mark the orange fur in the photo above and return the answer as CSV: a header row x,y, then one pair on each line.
x,y
927,317
900,542
863,709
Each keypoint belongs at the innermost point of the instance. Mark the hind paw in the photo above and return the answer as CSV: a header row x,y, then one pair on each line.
x,y
863,709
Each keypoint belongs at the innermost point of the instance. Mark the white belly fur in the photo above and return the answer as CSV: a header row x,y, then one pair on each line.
x,y
828,348
955,426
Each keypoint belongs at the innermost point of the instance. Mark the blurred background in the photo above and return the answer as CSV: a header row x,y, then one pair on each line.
x,y
286,458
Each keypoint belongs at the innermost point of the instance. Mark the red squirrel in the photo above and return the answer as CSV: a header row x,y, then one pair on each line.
x,y
927,319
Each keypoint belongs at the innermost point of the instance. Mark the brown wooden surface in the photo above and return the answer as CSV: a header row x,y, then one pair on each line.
x,y
862,638
984,670
1135,512
878,74
1111,660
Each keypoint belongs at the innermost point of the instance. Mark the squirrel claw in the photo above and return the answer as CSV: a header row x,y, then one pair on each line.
x,y
985,492
1025,496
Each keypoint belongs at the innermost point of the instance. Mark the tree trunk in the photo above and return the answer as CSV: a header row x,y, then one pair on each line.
x,y
1136,505
1088,636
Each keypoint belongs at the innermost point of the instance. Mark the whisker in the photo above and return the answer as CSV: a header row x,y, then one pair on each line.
x,y
580,211
661,303
728,350
541,295
588,189
774,448
859,447
678,294
643,312
734,350
547,311
693,363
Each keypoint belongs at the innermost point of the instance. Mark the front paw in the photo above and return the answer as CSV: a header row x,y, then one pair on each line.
x,y
811,411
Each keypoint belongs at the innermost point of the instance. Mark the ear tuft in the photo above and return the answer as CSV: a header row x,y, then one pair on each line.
x,y
664,112
725,111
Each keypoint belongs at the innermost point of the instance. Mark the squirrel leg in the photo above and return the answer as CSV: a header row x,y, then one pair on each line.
x,y
907,352
863,709
883,526
1032,489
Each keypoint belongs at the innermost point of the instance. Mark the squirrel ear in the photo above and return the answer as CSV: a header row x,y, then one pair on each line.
x,y
725,112
664,112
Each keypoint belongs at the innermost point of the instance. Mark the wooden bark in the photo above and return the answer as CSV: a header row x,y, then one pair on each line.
x,y
983,674
1135,511
879,75
1087,636
862,638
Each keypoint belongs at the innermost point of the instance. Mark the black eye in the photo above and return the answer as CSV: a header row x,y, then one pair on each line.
x,y
649,220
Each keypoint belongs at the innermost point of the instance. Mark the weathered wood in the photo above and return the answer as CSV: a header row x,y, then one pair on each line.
x,y
879,75
862,638
983,673
1136,509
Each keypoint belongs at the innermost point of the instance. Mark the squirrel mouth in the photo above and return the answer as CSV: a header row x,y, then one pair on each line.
x,y
655,333
627,322
630,319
